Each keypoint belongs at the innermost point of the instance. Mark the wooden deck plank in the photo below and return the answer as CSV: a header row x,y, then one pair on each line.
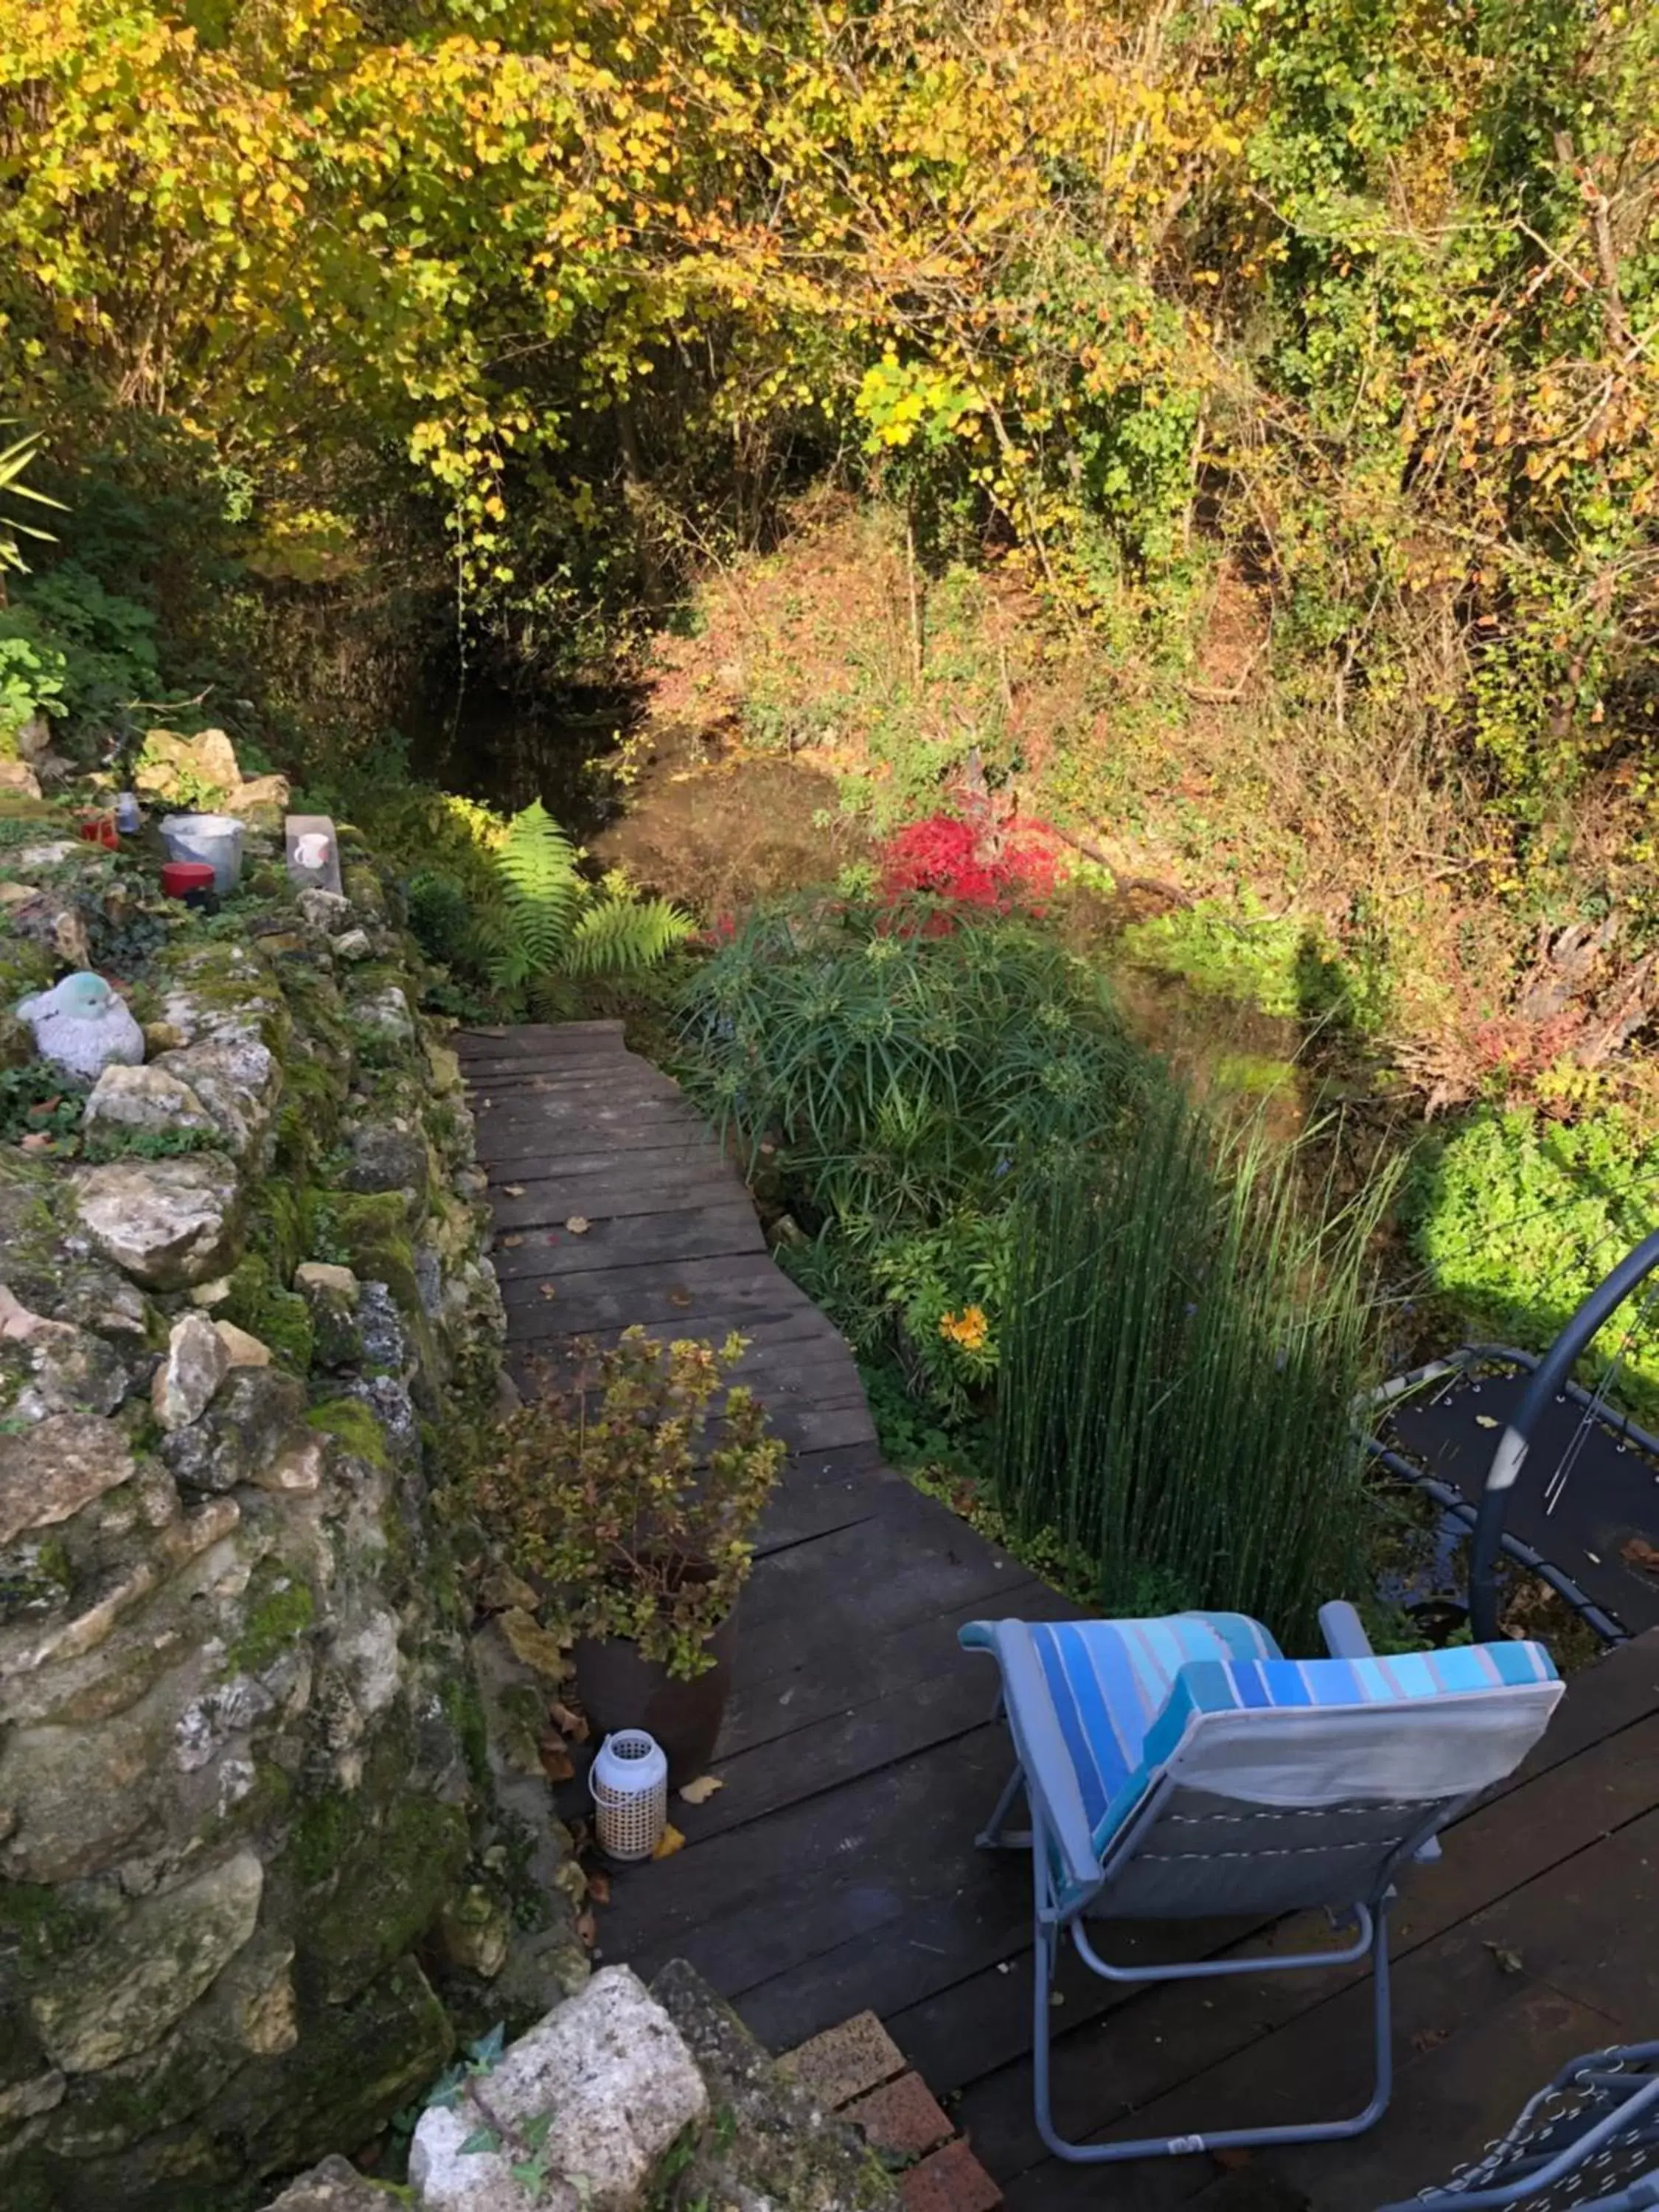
x,y
542,1041
652,1290
694,1233
612,1192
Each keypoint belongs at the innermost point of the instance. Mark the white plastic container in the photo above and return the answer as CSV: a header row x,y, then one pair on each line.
x,y
630,1783
215,839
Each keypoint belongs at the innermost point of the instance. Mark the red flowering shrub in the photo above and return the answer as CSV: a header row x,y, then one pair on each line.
x,y
998,867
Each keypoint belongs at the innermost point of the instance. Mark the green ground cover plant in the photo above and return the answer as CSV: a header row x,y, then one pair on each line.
x,y
1515,1217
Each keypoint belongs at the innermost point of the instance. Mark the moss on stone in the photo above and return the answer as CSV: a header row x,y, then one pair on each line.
x,y
279,1609
389,1891
321,1834
463,1708
373,1231
40,1924
354,1427
277,1317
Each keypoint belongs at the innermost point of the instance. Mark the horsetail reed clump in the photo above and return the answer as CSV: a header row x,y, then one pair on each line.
x,y
1187,1328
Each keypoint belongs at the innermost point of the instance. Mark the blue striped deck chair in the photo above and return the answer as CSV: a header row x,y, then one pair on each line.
x,y
1184,1768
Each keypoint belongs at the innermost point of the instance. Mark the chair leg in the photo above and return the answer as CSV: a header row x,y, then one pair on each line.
x,y
1221,2138
993,1836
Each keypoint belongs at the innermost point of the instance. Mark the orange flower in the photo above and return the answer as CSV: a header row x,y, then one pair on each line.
x,y
969,1329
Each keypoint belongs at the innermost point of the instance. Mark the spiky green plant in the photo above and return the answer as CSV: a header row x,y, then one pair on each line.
x,y
1187,1328
14,462
548,927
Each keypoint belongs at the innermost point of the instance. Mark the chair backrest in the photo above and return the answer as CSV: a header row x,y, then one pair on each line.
x,y
1274,1785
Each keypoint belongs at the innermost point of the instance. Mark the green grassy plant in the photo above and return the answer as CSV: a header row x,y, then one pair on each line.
x,y
1185,1331
910,1064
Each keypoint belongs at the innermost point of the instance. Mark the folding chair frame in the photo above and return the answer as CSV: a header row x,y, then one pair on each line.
x,y
1059,1841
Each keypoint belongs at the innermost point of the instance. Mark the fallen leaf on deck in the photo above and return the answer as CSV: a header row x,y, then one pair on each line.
x,y
1510,1961
549,1290
577,1225
513,1189
1637,1552
510,1241
588,1929
672,1841
699,1791
1426,2038
599,1888
679,1298
1485,1421
571,1725
556,1759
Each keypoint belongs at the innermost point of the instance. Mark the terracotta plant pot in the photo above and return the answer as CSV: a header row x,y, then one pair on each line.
x,y
618,1689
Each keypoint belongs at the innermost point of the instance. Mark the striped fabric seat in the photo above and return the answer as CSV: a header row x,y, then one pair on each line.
x,y
1128,1694
1110,1680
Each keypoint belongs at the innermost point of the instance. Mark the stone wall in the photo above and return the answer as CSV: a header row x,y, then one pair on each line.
x,y
252,1866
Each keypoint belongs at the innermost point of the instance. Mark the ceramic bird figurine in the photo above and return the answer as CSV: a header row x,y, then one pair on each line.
x,y
82,1027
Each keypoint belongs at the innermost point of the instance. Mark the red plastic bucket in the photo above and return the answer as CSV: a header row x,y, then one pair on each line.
x,y
179,879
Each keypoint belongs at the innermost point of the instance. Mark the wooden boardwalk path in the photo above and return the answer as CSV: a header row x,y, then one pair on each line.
x,y
836,1869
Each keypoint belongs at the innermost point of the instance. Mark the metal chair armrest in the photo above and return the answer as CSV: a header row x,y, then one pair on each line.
x,y
1050,1777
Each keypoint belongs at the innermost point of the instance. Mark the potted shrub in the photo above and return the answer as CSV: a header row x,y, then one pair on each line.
x,y
630,1500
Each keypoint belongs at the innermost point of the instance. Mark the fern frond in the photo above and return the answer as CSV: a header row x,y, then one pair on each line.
x,y
494,942
620,936
542,896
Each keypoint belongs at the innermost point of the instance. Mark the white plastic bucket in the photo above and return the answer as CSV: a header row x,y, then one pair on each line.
x,y
215,839
630,1782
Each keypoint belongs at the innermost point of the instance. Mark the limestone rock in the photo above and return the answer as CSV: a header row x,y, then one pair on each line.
x,y
18,775
26,2100
611,2070
352,945
336,2187
54,1469
168,1222
385,1158
474,1932
51,919
196,1363
75,1372
137,1978
245,1350
201,769
236,1080
150,1100
255,1418
260,794
98,1298
384,1014
334,1296
782,2147
297,1470
327,912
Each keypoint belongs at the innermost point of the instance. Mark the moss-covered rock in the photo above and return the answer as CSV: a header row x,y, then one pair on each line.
x,y
279,1318
249,1653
